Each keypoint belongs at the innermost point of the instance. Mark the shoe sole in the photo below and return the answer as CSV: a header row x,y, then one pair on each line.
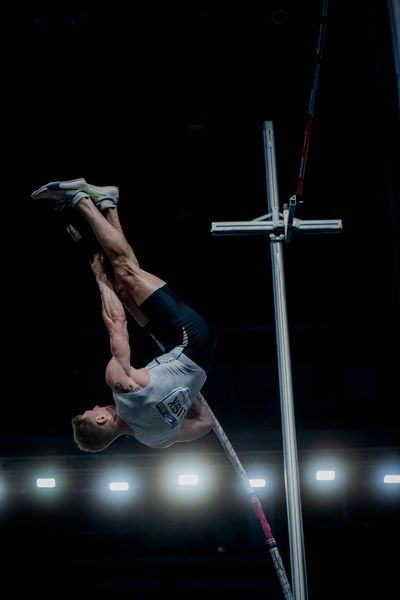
x,y
55,191
100,193
55,186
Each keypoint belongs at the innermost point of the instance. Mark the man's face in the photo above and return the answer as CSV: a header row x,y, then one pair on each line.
x,y
100,414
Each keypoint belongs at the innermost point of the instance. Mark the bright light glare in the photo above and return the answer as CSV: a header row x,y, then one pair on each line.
x,y
325,475
188,479
257,483
391,478
48,482
118,486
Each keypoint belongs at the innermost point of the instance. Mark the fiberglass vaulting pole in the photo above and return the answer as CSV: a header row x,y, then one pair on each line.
x,y
394,22
280,227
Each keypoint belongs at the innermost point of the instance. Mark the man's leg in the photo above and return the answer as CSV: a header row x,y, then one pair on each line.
x,y
171,322
132,284
111,215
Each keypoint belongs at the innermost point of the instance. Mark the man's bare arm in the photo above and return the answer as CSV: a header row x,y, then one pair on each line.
x,y
198,423
119,368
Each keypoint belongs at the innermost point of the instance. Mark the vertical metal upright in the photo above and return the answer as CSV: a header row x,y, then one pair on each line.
x,y
280,227
292,485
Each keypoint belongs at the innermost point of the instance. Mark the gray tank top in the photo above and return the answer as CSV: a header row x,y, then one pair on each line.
x,y
156,412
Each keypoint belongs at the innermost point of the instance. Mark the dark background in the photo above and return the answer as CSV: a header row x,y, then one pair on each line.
x,y
168,104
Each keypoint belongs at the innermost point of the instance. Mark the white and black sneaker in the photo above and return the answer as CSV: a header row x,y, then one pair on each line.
x,y
63,193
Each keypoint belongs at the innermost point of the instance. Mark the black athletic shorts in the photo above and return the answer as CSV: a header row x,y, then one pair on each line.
x,y
173,323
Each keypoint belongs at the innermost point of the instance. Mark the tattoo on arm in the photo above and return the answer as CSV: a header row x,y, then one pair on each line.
x,y
130,388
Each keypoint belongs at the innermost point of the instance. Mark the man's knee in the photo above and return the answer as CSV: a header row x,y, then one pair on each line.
x,y
126,273
125,267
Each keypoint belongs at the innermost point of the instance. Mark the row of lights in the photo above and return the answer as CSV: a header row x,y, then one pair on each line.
x,y
193,479
197,478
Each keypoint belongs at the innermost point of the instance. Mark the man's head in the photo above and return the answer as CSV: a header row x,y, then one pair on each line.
x,y
95,429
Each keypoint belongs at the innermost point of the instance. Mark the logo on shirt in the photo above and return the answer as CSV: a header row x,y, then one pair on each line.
x,y
174,406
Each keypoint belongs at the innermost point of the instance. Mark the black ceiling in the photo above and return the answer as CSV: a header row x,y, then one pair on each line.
x,y
169,105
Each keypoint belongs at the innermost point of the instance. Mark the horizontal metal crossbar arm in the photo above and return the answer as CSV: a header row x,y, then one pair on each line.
x,y
258,227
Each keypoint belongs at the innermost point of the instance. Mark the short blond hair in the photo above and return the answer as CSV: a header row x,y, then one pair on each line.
x,y
89,436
